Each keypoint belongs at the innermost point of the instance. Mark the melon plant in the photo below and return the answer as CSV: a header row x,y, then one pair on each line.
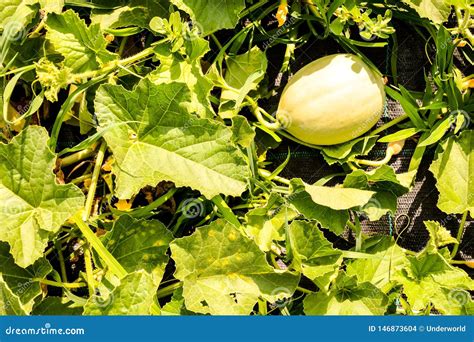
x,y
332,100
142,171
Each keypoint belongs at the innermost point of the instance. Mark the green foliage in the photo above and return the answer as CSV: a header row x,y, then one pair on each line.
x,y
135,169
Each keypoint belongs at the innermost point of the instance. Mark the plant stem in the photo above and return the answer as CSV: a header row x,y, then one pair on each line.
x,y
153,205
252,8
81,179
389,124
123,43
303,290
266,174
168,290
226,211
93,186
78,156
462,226
376,163
62,265
262,307
89,271
95,242
59,284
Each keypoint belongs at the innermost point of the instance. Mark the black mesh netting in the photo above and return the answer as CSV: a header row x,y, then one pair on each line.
x,y
420,203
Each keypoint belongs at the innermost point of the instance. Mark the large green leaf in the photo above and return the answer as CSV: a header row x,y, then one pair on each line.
x,y
128,13
347,297
327,205
429,278
154,138
334,220
140,244
83,48
16,14
212,15
32,205
243,74
312,254
387,185
338,198
436,10
23,281
380,270
56,306
9,303
453,168
134,296
224,273
187,69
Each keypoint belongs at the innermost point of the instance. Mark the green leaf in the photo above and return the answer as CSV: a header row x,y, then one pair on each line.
x,y
9,302
400,135
453,169
243,74
83,48
430,279
134,296
204,13
267,224
128,13
224,273
338,198
244,133
312,254
343,153
334,220
187,69
32,205
56,306
387,185
436,10
167,142
176,307
437,132
439,236
388,260
23,281
347,297
18,13
140,245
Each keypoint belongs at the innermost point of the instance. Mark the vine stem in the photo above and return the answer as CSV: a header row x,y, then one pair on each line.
x,y
62,265
168,290
267,174
95,176
89,270
114,266
462,226
60,284
78,156
390,124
